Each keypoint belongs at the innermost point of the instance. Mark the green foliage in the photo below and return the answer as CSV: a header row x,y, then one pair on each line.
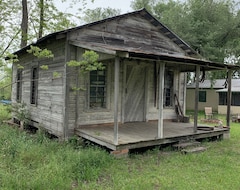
x,y
88,63
56,74
5,84
29,161
12,58
89,165
21,111
44,67
5,113
40,53
20,66
210,27
100,14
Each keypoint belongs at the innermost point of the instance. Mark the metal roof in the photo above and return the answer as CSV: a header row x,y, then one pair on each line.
x,y
217,84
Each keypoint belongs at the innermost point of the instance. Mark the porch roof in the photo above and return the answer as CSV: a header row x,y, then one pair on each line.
x,y
179,61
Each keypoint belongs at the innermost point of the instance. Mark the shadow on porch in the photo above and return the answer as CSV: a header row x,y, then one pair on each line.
x,y
143,134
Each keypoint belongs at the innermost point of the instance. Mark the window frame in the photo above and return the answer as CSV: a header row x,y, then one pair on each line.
x,y
168,96
19,85
34,85
98,86
202,96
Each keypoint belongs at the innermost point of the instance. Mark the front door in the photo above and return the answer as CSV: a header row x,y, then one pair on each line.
x,y
135,93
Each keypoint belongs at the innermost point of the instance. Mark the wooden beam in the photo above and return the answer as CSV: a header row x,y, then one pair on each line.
x,y
160,101
66,91
116,98
196,99
92,47
229,97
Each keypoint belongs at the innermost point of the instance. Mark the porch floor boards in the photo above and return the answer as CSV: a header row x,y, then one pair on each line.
x,y
142,134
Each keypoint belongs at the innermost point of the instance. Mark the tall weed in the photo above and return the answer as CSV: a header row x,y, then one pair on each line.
x,y
5,112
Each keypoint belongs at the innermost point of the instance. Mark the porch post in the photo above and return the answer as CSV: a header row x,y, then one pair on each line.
x,y
116,98
196,99
229,96
160,102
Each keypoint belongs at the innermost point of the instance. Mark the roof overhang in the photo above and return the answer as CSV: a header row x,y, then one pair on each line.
x,y
178,61
233,89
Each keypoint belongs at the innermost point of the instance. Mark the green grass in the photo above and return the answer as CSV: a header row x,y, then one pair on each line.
x,y
35,162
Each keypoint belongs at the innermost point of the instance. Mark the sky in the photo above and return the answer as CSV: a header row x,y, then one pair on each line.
x,y
123,5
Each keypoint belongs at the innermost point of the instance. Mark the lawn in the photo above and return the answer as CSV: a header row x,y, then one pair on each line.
x,y
35,162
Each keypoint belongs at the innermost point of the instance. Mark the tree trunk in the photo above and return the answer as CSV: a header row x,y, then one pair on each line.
x,y
41,19
24,24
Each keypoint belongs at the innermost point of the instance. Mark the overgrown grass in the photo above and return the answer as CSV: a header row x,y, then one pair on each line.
x,y
36,162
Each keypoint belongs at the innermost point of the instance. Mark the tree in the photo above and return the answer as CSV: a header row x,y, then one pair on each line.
x,y
99,14
147,4
24,24
210,27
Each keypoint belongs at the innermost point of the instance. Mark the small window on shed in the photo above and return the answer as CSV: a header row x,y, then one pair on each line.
x,y
235,99
222,98
98,88
202,96
34,85
19,86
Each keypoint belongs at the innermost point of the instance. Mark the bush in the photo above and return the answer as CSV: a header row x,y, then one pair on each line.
x,y
5,112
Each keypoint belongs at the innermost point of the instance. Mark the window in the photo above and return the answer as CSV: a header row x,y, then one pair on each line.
x,y
202,96
19,86
97,89
235,98
34,85
168,89
222,98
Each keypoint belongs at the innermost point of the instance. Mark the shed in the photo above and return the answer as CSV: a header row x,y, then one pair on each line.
x,y
235,99
214,94
144,81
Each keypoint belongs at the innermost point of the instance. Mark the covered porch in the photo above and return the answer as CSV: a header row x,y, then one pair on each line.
x,y
144,134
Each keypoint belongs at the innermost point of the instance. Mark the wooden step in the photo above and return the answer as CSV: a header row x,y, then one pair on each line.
x,y
182,145
194,150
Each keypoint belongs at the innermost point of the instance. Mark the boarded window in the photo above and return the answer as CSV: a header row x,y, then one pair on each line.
x,y
19,86
34,85
97,98
202,96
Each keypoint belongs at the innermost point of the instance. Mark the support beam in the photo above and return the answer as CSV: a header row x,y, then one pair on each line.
x,y
196,99
160,101
116,98
229,97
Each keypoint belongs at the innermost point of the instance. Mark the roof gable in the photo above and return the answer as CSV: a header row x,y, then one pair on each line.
x,y
137,32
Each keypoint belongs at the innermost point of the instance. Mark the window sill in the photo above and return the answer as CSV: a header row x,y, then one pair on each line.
x,y
93,110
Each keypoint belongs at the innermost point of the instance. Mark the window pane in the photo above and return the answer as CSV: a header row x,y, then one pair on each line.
x,y
202,96
222,98
34,84
97,89
168,88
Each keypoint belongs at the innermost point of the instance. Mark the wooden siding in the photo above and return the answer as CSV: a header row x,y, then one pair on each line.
x,y
133,33
127,111
48,112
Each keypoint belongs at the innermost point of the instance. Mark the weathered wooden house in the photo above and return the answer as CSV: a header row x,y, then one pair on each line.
x,y
143,81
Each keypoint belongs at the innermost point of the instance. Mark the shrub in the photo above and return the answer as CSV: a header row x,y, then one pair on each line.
x,y
5,113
